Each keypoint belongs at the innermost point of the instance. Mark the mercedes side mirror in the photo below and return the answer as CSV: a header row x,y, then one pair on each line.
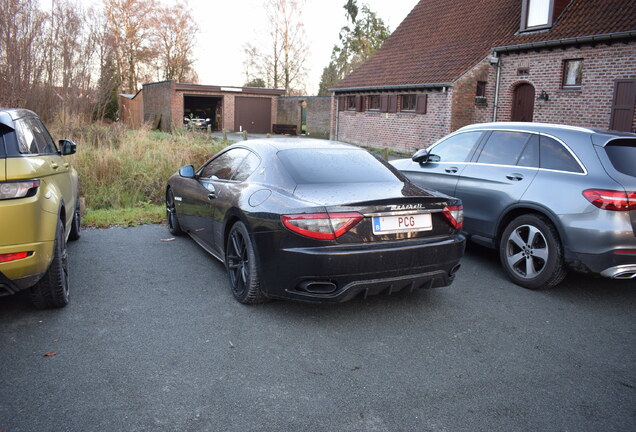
x,y
420,156
423,156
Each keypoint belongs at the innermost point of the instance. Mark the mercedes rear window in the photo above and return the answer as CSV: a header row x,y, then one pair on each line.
x,y
320,166
622,154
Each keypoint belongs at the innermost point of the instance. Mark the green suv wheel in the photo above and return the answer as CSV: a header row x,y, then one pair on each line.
x,y
52,290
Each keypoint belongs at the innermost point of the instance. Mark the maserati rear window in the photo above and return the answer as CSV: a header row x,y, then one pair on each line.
x,y
622,154
319,166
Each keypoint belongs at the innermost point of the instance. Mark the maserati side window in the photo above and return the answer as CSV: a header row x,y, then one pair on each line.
x,y
224,166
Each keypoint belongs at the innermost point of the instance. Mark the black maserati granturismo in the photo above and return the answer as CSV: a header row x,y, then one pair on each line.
x,y
315,220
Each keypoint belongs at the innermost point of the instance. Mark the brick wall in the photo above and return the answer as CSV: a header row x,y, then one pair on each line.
x,y
158,104
404,132
289,110
465,109
318,116
591,105
318,113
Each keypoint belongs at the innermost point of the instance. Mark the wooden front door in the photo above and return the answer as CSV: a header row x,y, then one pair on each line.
x,y
523,103
623,105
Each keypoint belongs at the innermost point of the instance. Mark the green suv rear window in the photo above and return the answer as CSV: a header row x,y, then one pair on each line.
x,y
622,154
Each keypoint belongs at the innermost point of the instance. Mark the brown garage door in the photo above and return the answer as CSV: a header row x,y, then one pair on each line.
x,y
253,114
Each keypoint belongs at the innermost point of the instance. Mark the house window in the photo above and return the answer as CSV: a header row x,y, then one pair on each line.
x,y
481,89
536,14
572,73
373,102
407,102
350,103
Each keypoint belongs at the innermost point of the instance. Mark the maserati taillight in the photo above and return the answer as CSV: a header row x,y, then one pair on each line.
x,y
611,200
321,226
455,215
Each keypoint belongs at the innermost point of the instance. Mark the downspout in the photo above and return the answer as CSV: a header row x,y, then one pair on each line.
x,y
496,104
337,115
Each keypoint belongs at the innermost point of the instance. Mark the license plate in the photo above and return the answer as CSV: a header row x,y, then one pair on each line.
x,y
406,223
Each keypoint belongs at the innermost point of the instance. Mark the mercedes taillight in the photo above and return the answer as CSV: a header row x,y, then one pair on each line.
x,y
611,200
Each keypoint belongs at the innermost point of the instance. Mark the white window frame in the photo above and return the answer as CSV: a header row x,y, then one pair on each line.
x,y
529,6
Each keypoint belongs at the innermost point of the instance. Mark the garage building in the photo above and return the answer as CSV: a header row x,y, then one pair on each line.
x,y
167,103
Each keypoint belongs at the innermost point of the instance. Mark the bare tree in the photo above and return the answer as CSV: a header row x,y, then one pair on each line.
x,y
70,63
289,42
130,23
176,33
72,60
252,65
21,51
281,61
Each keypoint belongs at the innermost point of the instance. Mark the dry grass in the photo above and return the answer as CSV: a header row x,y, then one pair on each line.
x,y
123,168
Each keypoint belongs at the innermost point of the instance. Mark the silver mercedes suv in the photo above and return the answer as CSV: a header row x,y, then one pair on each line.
x,y
549,197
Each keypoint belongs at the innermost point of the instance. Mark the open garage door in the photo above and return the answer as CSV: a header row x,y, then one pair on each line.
x,y
207,108
253,114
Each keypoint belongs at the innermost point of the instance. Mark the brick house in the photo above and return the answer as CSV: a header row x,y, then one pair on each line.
x,y
450,64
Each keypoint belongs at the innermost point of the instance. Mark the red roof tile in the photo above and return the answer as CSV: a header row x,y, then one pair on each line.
x,y
440,40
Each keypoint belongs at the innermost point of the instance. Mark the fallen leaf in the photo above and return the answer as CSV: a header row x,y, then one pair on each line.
x,y
54,340
49,354
231,344
167,239
355,368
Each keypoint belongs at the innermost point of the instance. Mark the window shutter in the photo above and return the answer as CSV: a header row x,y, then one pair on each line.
x,y
342,101
422,102
359,103
393,103
384,103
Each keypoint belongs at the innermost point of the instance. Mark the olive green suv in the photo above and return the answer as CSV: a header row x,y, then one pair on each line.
x,y
39,209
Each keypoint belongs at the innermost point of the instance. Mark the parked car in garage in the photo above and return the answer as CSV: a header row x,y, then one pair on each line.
x,y
549,197
313,220
39,209
197,119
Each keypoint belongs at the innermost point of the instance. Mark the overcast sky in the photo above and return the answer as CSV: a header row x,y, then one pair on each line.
x,y
226,25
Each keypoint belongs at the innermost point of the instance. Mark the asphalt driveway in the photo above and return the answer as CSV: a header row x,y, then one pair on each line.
x,y
154,341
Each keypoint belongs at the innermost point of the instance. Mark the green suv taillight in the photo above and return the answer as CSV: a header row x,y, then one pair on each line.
x,y
18,189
